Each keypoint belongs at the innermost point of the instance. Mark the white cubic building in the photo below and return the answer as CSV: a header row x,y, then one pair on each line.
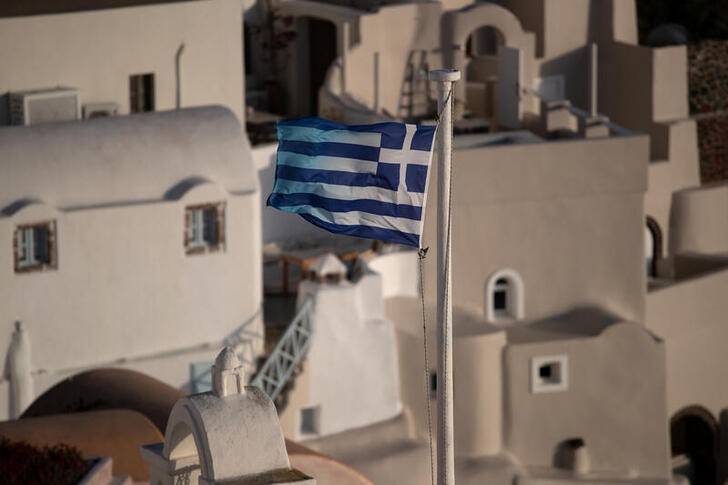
x,y
130,241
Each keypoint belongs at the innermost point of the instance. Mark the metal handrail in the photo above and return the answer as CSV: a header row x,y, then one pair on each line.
x,y
288,353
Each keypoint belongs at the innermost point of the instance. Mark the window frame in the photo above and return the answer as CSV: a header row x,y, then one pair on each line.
x,y
195,241
21,264
314,413
552,383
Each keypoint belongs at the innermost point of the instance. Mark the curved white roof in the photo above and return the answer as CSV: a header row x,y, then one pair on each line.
x,y
123,159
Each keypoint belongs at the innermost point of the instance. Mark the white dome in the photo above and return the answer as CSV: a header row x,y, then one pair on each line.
x,y
123,159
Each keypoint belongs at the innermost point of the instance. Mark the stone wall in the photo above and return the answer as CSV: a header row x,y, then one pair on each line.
x,y
708,78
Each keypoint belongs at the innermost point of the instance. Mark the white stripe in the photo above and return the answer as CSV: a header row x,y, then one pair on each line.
x,y
346,192
405,155
358,218
314,135
419,157
326,163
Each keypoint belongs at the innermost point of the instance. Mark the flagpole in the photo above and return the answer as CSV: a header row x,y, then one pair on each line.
x,y
445,446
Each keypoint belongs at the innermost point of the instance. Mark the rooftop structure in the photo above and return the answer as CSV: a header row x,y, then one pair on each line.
x,y
147,56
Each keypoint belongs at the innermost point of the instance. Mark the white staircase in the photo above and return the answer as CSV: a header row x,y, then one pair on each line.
x,y
288,353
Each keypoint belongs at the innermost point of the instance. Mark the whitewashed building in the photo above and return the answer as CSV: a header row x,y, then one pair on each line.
x,y
102,59
129,241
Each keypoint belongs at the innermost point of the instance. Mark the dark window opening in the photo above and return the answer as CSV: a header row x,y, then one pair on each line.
x,y
141,93
483,42
246,48
544,372
655,246
500,295
694,440
499,300
323,43
550,373
433,384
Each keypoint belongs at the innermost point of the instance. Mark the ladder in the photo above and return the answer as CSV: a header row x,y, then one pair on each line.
x,y
288,353
414,93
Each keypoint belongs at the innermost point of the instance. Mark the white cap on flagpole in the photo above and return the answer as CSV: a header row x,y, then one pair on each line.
x,y
445,75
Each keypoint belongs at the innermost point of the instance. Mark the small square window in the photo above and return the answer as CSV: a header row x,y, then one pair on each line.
x,y
310,420
204,228
35,247
549,373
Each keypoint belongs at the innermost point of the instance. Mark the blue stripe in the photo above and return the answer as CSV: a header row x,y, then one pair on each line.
x,y
367,232
335,177
392,133
416,178
330,149
337,205
422,139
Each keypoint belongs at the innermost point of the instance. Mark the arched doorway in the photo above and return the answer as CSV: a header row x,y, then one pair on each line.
x,y
653,246
481,71
315,51
694,445
484,41
494,24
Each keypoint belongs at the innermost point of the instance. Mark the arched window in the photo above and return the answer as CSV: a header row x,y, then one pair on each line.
x,y
484,41
504,296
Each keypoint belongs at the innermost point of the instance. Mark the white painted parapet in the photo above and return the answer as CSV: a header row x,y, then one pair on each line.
x,y
399,273
228,434
350,376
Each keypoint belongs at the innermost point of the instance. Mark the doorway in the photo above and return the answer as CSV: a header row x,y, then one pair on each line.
x,y
694,445
316,50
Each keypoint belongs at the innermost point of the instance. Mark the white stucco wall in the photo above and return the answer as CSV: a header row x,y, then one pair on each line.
x,y
97,51
124,287
124,292
352,363
399,272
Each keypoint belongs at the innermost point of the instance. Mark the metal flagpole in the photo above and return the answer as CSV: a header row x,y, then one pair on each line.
x,y
445,445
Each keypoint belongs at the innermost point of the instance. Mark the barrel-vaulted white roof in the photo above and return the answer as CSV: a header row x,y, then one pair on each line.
x,y
124,159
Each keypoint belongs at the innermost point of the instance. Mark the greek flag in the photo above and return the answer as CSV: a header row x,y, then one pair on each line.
x,y
367,181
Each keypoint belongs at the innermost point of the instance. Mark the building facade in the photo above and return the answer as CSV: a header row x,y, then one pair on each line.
x,y
130,241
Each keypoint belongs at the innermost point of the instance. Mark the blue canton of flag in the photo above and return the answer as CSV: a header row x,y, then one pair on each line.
x,y
367,181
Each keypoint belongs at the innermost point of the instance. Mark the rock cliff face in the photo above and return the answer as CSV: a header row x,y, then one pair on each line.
x,y
708,77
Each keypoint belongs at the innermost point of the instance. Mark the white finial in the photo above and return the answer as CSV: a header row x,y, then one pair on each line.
x,y
227,374
21,379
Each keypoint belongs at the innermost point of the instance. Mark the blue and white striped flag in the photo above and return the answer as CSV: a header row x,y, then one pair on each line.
x,y
367,181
